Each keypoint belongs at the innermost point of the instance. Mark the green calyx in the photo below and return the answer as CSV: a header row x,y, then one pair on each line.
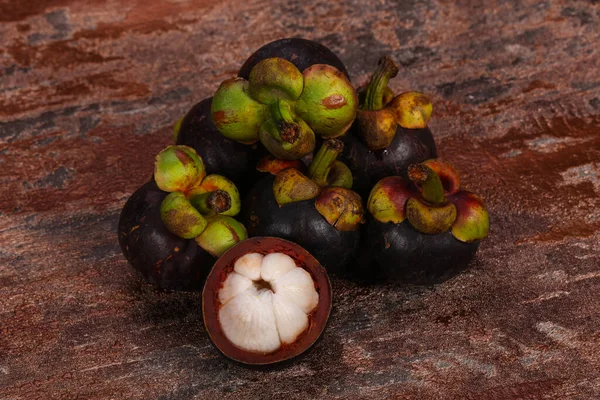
x,y
221,233
291,185
432,204
472,220
429,213
387,200
178,168
379,115
285,108
341,207
193,196
180,217
216,194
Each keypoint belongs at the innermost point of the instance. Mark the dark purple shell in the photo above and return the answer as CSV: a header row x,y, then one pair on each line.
x,y
301,52
164,259
301,223
409,256
368,167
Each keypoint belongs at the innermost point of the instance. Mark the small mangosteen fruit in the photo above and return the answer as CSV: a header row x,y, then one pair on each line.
x,y
285,108
163,258
172,228
424,230
318,210
220,154
301,52
389,133
266,300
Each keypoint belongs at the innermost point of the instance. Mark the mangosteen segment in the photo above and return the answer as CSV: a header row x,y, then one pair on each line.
x,y
262,311
266,300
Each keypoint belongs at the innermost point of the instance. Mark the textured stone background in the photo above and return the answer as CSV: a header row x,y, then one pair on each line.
x,y
89,90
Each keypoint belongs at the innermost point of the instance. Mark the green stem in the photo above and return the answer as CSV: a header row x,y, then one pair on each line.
x,y
376,90
287,129
320,166
216,202
431,186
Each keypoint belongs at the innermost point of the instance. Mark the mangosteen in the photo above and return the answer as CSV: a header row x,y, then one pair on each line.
x,y
301,52
284,107
266,300
220,154
173,228
424,230
163,258
389,133
318,211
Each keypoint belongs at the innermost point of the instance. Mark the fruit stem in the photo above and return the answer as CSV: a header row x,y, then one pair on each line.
x,y
216,202
429,182
319,168
287,128
386,69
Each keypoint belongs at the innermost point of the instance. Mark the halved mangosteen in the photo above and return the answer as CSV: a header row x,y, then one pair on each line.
x,y
266,300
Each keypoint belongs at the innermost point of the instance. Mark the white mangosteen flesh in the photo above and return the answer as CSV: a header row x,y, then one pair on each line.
x,y
265,302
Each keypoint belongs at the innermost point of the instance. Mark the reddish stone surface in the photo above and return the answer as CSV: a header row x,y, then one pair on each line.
x,y
89,91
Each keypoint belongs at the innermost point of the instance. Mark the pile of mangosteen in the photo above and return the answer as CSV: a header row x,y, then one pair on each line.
x,y
288,174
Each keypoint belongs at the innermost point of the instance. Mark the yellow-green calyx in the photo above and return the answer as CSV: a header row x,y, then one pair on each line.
x,y
341,207
178,168
194,196
291,185
432,203
379,116
387,200
180,217
221,234
216,195
472,221
284,108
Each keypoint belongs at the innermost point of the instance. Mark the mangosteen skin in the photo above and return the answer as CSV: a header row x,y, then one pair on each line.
x,y
301,52
410,146
299,222
164,259
221,156
409,256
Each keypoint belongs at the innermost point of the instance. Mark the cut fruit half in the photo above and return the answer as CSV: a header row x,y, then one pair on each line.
x,y
266,300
